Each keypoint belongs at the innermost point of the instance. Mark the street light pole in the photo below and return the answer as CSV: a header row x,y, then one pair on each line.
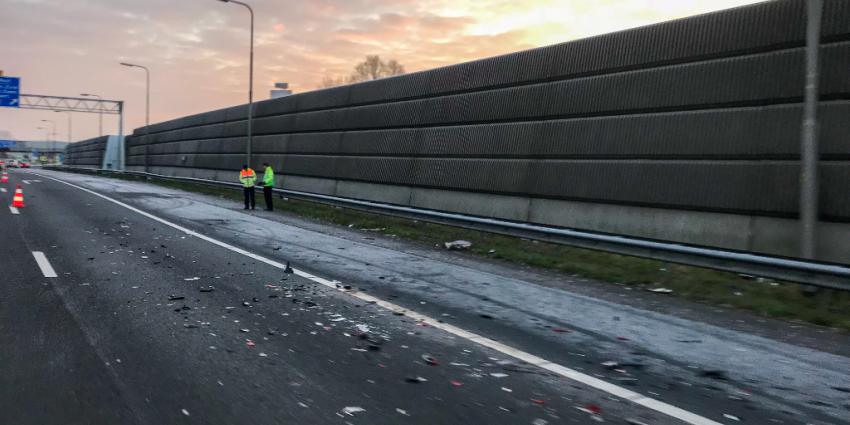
x,y
99,114
46,133
147,92
250,81
147,107
70,138
51,140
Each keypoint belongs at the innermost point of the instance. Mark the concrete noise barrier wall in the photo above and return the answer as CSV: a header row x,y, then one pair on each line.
x,y
87,153
687,131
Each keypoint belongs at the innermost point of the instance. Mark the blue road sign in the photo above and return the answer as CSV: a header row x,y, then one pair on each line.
x,y
10,92
7,144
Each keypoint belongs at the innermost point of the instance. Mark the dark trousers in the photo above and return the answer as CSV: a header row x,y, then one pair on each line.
x,y
267,193
249,196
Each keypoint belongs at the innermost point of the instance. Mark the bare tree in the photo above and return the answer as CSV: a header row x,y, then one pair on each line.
x,y
333,82
372,68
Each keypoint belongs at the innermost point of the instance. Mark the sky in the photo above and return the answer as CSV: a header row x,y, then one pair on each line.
x,y
197,50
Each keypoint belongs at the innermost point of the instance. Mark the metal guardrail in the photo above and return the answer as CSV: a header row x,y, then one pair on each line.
x,y
827,275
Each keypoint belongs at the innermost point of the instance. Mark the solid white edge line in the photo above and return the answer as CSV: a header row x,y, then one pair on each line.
x,y
14,210
44,264
637,398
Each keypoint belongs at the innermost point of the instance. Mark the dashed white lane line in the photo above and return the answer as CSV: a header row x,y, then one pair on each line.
x,y
14,210
3,189
617,391
44,264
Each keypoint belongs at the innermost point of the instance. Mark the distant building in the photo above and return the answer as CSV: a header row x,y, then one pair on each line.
x,y
280,90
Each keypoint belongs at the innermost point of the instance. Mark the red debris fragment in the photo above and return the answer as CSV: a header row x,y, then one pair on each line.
x,y
431,360
536,401
561,330
381,365
249,343
622,338
594,409
457,383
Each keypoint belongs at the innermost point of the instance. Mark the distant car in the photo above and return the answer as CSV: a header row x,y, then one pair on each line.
x,y
12,163
24,165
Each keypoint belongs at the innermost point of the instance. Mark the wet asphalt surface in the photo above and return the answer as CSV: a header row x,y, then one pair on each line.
x,y
147,325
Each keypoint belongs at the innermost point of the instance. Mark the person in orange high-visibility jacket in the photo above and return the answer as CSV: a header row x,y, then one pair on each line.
x,y
248,178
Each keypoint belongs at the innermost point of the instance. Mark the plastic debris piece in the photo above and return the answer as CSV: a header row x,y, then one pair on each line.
x,y
263,355
732,417
185,412
457,383
207,289
594,408
401,411
507,390
175,298
610,364
539,421
250,343
661,290
714,374
561,330
458,245
416,380
499,375
244,330
538,401
431,360
353,410
189,279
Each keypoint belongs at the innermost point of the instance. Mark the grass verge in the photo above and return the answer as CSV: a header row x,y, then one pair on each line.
x,y
764,297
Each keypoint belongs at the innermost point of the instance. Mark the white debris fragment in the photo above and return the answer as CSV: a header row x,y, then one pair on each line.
x,y
499,375
458,245
185,412
507,390
401,411
353,410
661,290
732,417
189,279
539,421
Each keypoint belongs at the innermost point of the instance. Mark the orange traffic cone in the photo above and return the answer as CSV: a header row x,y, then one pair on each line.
x,y
18,200
5,178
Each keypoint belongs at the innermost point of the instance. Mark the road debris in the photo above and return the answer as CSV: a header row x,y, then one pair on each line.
x,y
353,410
431,360
499,375
458,245
416,380
402,411
457,383
185,412
175,298
661,290
732,417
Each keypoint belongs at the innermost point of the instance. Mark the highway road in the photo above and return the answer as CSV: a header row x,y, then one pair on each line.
x,y
170,307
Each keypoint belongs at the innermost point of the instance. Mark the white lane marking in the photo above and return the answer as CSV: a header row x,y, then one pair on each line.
x,y
2,189
44,264
637,398
14,210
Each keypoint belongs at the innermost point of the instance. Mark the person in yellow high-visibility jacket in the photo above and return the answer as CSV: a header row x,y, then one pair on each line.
x,y
248,178
268,185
